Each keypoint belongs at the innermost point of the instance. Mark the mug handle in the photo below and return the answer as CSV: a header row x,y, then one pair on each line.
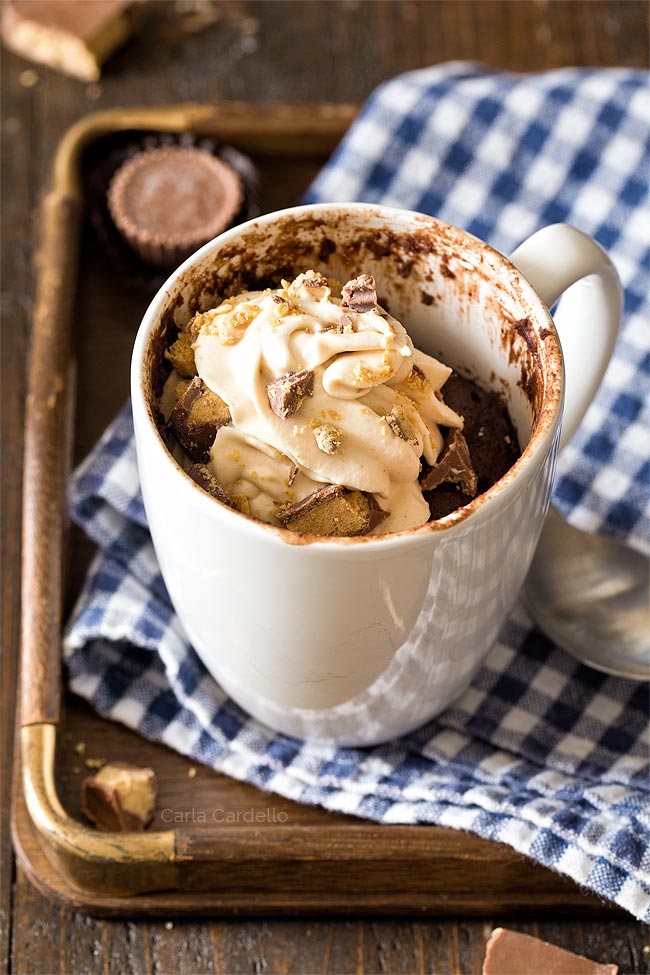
x,y
561,262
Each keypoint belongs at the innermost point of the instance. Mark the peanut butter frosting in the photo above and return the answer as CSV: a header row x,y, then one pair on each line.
x,y
324,387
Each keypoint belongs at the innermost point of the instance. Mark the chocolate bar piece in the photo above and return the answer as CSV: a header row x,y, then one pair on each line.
x,y
454,467
333,510
360,294
120,798
311,280
287,393
512,953
204,477
344,325
73,36
196,418
401,426
376,514
181,355
328,438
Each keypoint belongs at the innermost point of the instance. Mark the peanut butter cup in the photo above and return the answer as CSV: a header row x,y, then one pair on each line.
x,y
168,202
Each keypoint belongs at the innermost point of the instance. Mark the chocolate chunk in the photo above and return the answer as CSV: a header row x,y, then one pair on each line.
x,y
512,953
181,355
293,474
310,284
204,477
120,798
401,426
287,393
377,514
328,438
332,510
313,280
360,294
196,418
483,410
344,324
453,467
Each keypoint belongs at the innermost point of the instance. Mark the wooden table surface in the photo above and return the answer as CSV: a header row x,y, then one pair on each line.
x,y
260,52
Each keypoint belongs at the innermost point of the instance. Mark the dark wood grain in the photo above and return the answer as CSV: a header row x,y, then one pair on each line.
x,y
264,51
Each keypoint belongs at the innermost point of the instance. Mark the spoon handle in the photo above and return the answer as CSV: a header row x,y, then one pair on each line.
x,y
563,263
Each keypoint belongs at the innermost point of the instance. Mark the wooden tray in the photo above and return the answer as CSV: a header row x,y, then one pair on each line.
x,y
216,845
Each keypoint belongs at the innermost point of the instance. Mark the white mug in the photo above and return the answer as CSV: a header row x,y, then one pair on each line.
x,y
355,641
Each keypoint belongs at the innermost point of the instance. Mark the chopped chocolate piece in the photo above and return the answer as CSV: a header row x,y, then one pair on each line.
x,y
360,294
313,280
332,510
512,953
196,418
287,393
120,798
344,324
454,466
181,355
279,300
483,409
74,36
204,477
377,514
328,438
314,284
293,474
401,426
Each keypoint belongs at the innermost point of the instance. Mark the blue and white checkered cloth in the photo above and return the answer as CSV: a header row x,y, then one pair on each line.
x,y
540,752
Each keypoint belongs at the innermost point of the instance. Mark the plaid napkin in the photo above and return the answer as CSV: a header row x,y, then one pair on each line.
x,y
540,752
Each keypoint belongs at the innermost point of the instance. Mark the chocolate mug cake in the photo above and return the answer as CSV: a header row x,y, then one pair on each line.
x,y
307,406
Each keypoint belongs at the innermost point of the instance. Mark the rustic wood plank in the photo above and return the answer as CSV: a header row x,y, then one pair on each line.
x,y
17,147
53,940
257,50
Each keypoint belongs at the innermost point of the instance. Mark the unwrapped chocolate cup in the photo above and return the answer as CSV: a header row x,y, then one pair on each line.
x,y
167,202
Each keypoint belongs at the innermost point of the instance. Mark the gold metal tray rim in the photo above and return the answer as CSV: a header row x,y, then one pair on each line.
x,y
128,865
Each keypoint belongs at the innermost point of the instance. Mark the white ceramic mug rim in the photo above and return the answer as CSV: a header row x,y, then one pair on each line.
x,y
542,434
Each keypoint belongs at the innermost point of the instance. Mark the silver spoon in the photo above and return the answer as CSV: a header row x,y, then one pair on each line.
x,y
591,596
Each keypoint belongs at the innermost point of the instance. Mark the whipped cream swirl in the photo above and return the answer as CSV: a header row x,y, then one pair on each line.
x,y
373,412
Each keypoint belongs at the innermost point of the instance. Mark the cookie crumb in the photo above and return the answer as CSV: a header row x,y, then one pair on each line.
x,y
29,78
94,763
